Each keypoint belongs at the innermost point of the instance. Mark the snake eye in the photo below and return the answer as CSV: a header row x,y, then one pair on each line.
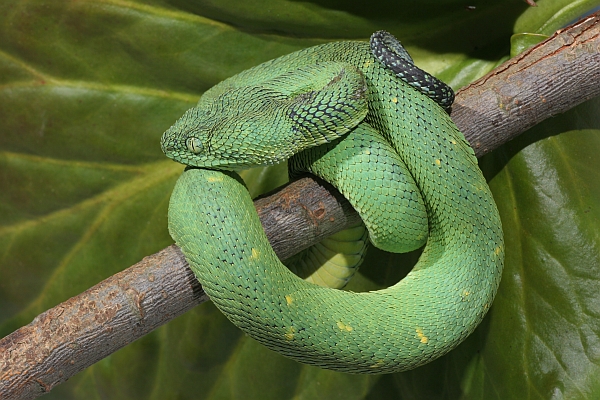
x,y
194,145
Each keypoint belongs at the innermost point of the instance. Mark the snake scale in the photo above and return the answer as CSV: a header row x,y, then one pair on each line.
x,y
363,117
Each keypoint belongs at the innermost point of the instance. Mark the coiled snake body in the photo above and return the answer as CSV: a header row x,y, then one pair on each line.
x,y
384,139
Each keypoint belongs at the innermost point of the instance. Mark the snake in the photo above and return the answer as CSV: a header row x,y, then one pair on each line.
x,y
363,117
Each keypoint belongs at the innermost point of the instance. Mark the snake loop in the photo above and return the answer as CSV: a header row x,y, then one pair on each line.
x,y
365,119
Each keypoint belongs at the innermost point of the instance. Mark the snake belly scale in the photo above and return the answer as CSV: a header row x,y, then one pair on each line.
x,y
331,107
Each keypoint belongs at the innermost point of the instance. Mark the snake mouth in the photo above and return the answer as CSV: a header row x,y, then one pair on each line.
x,y
200,161
191,167
219,169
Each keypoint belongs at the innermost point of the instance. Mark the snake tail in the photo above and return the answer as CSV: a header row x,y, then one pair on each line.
x,y
387,49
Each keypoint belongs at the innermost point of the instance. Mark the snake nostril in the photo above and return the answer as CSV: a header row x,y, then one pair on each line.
x,y
165,144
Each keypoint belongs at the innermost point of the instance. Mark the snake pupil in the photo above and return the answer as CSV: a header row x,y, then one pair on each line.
x,y
194,145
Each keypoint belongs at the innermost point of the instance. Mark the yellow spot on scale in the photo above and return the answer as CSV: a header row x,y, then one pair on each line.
x,y
255,254
214,179
367,64
498,250
421,336
378,364
367,152
290,333
465,293
395,100
453,141
289,299
438,162
344,327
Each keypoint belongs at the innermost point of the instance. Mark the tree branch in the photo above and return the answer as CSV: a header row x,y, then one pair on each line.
x,y
548,79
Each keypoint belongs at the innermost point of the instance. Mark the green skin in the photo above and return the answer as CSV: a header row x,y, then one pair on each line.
x,y
393,152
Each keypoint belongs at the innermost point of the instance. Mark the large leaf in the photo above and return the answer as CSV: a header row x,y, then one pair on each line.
x,y
86,90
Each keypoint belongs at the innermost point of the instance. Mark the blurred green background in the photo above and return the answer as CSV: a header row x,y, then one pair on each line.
x,y
88,87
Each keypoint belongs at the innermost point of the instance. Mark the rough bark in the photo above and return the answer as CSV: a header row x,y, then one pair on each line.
x,y
549,79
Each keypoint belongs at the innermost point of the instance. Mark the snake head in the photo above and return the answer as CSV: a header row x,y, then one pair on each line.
x,y
249,120
223,135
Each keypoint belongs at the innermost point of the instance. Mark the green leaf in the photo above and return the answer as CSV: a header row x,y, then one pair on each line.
x,y
552,280
86,90
519,42
551,15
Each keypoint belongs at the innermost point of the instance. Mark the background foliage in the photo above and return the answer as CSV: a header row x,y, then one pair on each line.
x,y
88,87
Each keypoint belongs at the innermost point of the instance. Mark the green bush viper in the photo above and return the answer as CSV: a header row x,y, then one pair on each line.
x,y
363,117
